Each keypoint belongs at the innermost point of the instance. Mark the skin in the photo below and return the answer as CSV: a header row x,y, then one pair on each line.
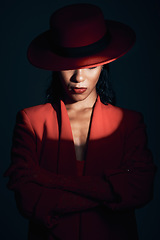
x,y
80,105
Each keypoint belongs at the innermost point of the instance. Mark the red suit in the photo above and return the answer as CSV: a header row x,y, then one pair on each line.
x,y
117,176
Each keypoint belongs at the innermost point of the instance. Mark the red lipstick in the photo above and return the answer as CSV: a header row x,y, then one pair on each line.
x,y
79,90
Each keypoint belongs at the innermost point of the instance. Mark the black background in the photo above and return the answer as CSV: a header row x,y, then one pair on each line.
x,y
135,78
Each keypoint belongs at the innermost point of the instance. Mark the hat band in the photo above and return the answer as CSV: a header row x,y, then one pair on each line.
x,y
83,51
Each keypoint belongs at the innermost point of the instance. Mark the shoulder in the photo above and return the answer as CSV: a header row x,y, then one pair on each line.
x,y
37,119
127,120
39,113
126,114
39,110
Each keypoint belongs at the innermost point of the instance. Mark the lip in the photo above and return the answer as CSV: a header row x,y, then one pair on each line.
x,y
78,90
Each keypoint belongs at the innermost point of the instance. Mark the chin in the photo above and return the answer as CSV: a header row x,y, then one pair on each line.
x,y
78,98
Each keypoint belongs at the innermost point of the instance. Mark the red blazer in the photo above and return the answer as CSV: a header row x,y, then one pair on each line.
x,y
117,178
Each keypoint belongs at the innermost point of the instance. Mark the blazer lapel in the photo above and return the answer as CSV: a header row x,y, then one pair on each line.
x,y
104,125
96,132
67,157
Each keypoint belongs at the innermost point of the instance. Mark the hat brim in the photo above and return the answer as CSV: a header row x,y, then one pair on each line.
x,y
42,56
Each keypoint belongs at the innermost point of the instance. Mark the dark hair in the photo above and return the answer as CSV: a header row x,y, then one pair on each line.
x,y
104,89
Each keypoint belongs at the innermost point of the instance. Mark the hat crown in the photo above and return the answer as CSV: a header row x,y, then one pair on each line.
x,y
77,25
80,37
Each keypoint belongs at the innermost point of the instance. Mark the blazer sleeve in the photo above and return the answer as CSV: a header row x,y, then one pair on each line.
x,y
130,185
34,200
133,180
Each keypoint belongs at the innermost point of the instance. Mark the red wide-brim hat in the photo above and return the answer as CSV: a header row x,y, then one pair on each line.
x,y
80,37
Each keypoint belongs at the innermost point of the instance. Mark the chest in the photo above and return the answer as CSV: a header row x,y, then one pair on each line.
x,y
80,125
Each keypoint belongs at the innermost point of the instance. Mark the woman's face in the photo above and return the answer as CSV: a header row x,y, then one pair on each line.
x,y
80,84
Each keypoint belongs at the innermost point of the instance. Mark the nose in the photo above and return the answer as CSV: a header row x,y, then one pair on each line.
x,y
79,75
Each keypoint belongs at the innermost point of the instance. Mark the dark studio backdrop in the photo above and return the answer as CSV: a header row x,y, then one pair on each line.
x,y
135,78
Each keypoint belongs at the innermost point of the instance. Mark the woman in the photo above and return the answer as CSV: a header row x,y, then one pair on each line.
x,y
80,166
